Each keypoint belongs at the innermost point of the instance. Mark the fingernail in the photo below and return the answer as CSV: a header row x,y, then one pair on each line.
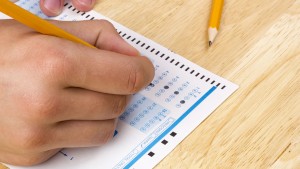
x,y
54,6
86,2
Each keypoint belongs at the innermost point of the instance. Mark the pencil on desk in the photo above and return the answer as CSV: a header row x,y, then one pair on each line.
x,y
214,22
36,23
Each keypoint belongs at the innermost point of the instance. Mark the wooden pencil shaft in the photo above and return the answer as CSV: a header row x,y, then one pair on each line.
x,y
36,23
216,12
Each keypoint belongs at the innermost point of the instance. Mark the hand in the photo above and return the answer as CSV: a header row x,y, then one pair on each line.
x,y
59,94
54,7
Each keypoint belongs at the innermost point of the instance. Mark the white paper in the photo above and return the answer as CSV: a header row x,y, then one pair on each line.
x,y
158,118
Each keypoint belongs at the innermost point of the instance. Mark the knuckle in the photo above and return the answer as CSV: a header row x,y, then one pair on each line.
x,y
41,107
30,140
119,104
57,65
55,62
104,23
107,137
26,159
108,133
30,161
136,79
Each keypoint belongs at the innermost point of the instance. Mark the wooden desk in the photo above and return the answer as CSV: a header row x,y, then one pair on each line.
x,y
258,48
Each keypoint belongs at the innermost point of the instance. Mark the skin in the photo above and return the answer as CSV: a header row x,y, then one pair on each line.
x,y
59,94
54,7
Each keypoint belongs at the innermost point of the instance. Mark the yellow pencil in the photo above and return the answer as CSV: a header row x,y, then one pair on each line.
x,y
215,18
36,23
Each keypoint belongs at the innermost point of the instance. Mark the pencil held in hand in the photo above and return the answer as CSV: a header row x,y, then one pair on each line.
x,y
36,23
215,18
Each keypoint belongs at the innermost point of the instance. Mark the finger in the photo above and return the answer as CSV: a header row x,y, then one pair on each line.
x,y
74,65
26,159
83,133
84,5
99,33
79,104
109,72
51,7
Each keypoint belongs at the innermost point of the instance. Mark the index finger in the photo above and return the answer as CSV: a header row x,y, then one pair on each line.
x,y
99,33
108,72
104,70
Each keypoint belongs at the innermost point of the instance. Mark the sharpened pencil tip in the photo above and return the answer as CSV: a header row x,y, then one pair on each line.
x,y
209,43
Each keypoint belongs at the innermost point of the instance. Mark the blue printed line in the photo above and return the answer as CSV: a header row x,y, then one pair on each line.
x,y
170,128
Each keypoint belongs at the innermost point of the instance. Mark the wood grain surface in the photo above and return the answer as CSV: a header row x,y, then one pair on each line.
x,y
258,48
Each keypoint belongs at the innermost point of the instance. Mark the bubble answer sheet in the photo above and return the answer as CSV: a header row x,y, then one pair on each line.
x,y
180,97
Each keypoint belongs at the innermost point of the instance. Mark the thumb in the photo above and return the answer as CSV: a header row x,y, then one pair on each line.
x,y
52,7
84,5
99,33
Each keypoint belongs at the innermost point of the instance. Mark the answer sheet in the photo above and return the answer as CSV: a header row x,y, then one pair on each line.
x,y
158,118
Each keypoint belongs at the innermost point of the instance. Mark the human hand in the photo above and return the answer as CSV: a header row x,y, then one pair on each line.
x,y
59,94
54,7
